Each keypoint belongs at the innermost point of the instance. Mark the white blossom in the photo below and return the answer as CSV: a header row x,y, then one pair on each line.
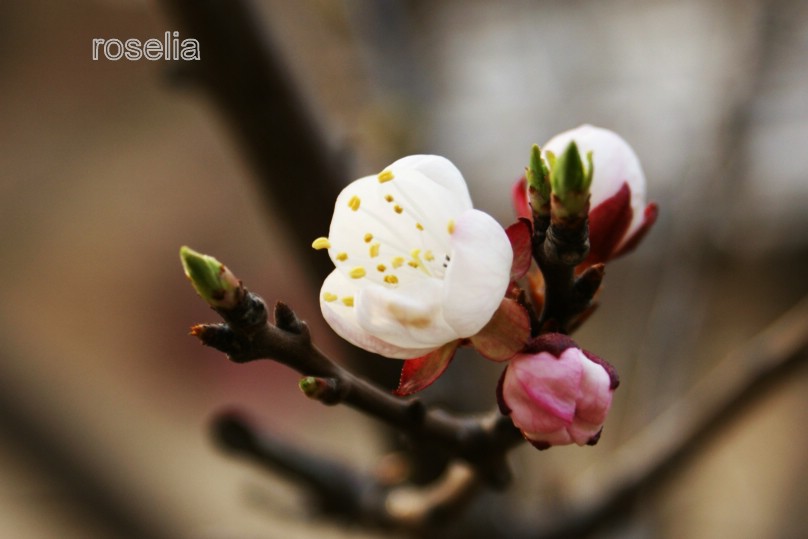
x,y
416,266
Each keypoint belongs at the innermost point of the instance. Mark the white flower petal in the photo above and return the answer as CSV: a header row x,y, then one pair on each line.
x,y
343,319
478,273
408,316
441,171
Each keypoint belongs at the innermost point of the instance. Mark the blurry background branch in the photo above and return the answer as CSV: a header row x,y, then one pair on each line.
x,y
245,75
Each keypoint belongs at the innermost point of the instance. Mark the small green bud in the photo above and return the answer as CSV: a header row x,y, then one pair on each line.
x,y
538,183
308,386
570,181
211,279
321,389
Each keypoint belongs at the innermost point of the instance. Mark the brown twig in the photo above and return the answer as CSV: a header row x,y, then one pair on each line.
x,y
482,441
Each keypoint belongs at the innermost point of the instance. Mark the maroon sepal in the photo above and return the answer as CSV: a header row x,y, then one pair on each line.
x,y
520,202
594,439
610,370
521,235
649,218
608,223
553,343
505,334
421,372
541,446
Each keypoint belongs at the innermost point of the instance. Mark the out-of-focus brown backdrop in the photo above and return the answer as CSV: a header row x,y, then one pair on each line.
x,y
106,168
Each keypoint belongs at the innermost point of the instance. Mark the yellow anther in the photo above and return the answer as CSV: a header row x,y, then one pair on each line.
x,y
342,257
329,297
414,263
354,203
451,226
374,250
357,273
321,243
368,237
398,261
348,301
415,253
419,226
385,176
428,256
391,279
388,197
381,267
398,209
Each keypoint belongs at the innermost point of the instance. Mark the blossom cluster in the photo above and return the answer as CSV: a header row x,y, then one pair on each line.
x,y
420,272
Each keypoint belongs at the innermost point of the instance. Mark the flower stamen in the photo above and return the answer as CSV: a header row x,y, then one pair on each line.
x,y
321,243
385,176
357,273
354,203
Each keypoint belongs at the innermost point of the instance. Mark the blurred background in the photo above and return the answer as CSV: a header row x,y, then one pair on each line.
x,y
106,168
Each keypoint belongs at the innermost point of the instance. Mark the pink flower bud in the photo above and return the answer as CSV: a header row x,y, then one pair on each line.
x,y
618,215
556,393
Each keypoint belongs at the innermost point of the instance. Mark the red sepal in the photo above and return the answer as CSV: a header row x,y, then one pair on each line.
x,y
521,236
505,334
421,372
520,202
649,218
608,223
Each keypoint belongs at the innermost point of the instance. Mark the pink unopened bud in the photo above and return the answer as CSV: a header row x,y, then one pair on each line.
x,y
618,215
557,393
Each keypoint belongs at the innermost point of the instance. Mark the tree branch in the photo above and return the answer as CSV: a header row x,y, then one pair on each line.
x,y
482,441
